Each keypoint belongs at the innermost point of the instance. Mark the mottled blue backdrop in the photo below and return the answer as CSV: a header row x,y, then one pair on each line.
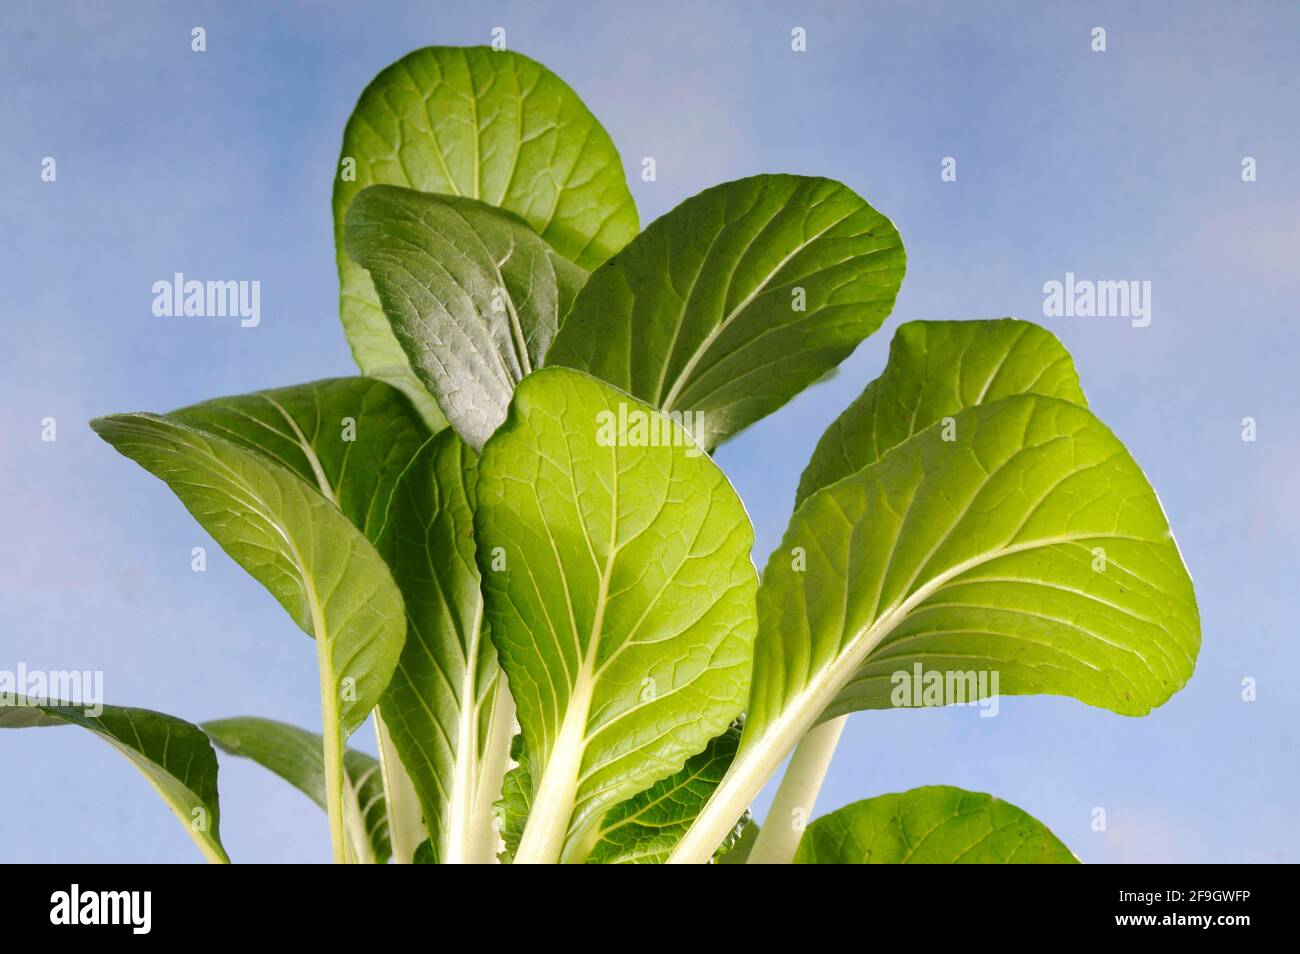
x,y
1117,165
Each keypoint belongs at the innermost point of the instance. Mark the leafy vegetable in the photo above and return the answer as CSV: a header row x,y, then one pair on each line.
x,y
447,709
619,593
296,755
1030,544
172,754
300,547
474,296
566,554
485,124
935,369
933,825
737,300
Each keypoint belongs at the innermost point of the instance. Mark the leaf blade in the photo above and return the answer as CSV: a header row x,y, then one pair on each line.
x,y
297,756
935,369
696,314
936,824
471,292
490,125
172,754
572,519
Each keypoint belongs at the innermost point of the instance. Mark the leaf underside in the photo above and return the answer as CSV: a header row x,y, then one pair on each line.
x,y
737,300
488,125
297,756
933,825
172,754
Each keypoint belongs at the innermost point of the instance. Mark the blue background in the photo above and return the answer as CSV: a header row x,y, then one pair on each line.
x,y
1117,165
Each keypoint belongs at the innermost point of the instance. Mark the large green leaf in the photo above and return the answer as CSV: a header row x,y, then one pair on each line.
x,y
297,756
446,709
935,369
937,824
645,828
619,592
488,125
1030,546
348,437
174,755
472,293
737,300
302,548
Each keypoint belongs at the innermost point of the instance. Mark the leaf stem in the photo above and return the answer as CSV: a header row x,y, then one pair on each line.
x,y
332,733
778,838
405,818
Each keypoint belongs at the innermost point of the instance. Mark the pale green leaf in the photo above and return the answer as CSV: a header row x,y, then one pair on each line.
x,y
297,544
172,754
484,124
645,828
737,300
937,824
471,292
619,593
447,713
1030,547
348,437
935,369
297,756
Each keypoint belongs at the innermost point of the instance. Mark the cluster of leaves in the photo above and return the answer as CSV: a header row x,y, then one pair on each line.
x,y
566,647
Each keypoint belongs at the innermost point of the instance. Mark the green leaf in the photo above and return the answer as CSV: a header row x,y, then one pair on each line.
x,y
645,828
297,756
1031,546
446,710
424,854
937,824
738,852
516,801
348,437
172,754
619,593
488,125
472,293
298,545
737,300
935,369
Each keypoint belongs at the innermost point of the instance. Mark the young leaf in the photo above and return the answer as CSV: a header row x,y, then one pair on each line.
x,y
298,545
297,756
645,828
619,592
935,369
516,801
1031,546
348,437
472,293
737,300
937,824
447,710
172,754
489,125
